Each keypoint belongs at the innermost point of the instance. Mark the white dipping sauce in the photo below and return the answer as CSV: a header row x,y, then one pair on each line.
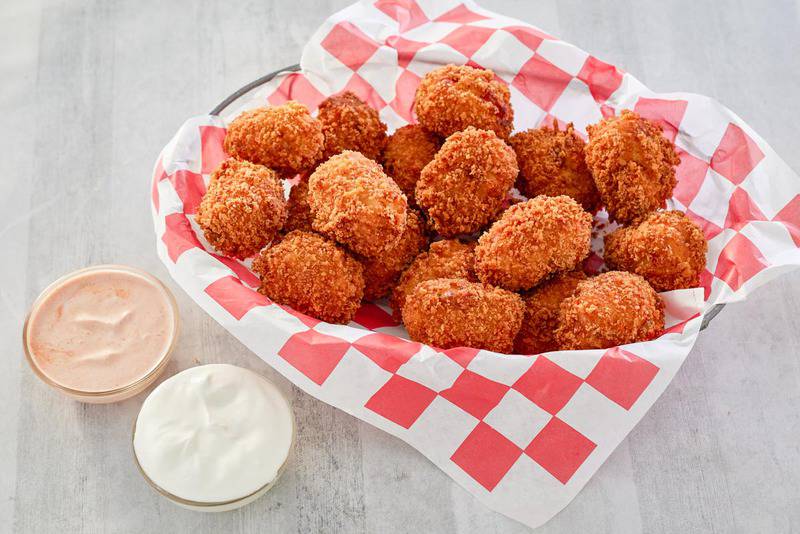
x,y
213,433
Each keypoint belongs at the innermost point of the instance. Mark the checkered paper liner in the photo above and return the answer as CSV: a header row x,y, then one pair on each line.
x,y
522,433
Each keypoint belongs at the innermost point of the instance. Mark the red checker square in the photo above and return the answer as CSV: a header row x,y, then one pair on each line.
x,y
158,175
190,189
706,279
349,45
389,352
178,235
736,155
296,87
739,261
314,354
468,39
401,400
607,111
560,449
622,376
601,78
307,320
742,210
547,385
475,394
364,91
405,89
406,49
212,139
528,36
244,274
461,355
667,113
407,13
236,298
460,14
710,230
486,455
541,81
790,217
372,316
690,174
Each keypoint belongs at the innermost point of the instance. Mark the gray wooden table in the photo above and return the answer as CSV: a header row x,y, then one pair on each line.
x,y
89,93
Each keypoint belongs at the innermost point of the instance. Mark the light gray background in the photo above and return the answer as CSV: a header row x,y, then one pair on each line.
x,y
90,92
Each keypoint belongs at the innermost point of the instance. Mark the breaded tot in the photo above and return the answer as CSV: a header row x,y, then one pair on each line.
x,y
285,138
538,330
348,123
445,259
407,152
298,213
243,208
632,164
666,248
451,312
312,275
613,308
465,185
451,98
356,204
381,272
552,162
532,240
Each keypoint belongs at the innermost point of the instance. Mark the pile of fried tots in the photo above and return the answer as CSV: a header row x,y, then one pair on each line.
x,y
476,236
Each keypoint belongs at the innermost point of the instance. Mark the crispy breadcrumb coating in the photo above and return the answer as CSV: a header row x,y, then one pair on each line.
x,y
445,259
613,308
285,138
632,164
532,240
452,312
312,275
348,123
538,330
666,248
381,273
464,187
552,162
356,204
243,208
298,213
407,152
453,97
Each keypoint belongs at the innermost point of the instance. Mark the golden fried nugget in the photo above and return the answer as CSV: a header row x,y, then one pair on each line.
x,y
552,162
312,275
348,123
381,272
452,312
445,259
243,208
532,240
613,308
299,215
632,164
666,248
465,185
285,138
451,98
356,204
538,330
407,152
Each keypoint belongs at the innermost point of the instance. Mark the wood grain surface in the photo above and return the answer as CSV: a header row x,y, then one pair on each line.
x,y
91,91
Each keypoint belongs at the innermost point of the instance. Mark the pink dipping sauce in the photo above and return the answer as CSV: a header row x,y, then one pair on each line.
x,y
102,329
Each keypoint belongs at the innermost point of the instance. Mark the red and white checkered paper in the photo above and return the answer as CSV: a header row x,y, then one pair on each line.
x,y
523,433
